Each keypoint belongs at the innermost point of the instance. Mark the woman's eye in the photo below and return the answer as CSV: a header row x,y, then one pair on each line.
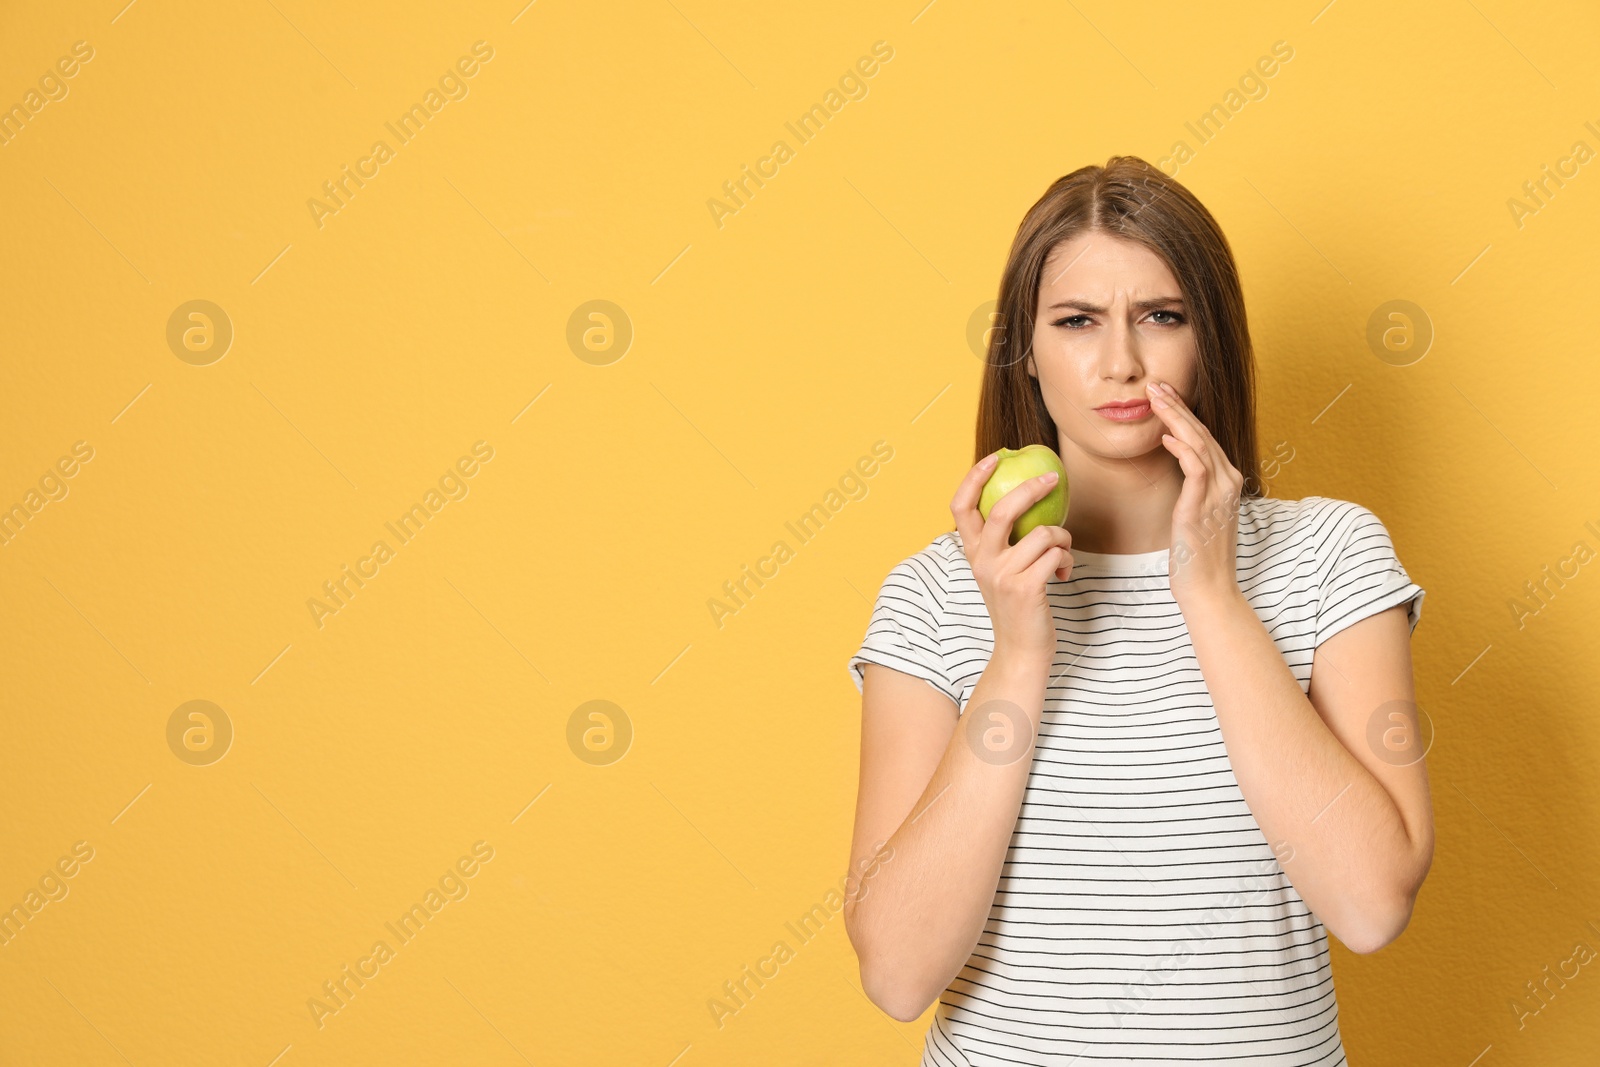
x,y
1073,322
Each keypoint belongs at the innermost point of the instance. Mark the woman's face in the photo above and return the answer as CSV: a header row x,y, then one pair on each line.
x,y
1110,318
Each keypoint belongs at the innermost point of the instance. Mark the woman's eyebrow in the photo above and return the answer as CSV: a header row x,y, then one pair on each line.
x,y
1084,305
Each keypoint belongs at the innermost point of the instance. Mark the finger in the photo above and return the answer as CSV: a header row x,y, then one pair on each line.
x,y
1006,511
1036,543
1194,468
964,505
1054,560
1180,421
1186,425
1224,474
1063,569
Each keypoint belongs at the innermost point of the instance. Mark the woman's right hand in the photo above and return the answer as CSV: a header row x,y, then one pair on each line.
x,y
1013,578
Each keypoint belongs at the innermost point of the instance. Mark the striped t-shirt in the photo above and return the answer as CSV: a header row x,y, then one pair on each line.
x,y
1142,916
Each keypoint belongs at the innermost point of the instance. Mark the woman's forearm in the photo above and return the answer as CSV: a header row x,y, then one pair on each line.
x,y
919,919
1357,871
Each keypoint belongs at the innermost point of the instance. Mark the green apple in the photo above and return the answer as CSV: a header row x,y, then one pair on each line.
x,y
1017,465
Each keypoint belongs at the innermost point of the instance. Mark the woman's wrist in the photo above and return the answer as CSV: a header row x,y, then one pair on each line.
x,y
1014,667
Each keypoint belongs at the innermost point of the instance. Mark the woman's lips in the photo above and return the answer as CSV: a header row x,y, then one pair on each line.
x,y
1131,413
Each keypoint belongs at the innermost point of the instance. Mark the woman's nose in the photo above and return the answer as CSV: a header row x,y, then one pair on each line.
x,y
1119,356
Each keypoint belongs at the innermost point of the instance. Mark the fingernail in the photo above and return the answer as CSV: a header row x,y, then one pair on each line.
x,y
989,460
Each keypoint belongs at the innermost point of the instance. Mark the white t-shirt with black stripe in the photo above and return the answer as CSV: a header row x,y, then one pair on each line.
x,y
1142,917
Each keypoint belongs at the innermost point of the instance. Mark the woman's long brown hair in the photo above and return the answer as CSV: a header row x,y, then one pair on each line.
x,y
1131,199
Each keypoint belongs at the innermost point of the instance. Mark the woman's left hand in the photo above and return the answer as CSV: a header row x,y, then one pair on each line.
x,y
1205,524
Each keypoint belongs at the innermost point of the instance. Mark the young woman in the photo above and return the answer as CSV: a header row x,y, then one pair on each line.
x,y
1120,779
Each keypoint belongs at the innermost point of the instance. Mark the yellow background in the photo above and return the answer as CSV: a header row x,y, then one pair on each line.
x,y
768,355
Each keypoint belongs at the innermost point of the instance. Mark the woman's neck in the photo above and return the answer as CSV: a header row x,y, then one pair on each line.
x,y
1122,507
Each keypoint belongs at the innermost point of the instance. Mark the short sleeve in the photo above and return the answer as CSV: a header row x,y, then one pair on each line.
x,y
1360,573
903,632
